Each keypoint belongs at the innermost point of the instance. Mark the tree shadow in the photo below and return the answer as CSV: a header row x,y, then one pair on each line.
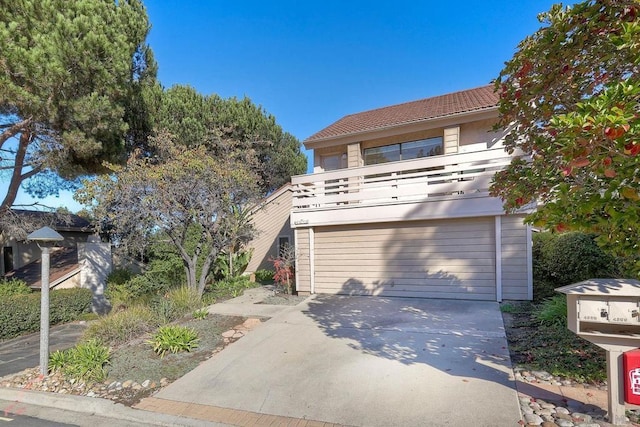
x,y
462,338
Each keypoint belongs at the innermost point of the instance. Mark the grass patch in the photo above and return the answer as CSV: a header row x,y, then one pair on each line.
x,y
550,346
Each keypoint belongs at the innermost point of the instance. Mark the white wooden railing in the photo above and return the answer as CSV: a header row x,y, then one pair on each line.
x,y
451,176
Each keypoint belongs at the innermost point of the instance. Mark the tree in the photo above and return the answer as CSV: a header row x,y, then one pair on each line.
x,y
571,97
184,194
69,78
196,119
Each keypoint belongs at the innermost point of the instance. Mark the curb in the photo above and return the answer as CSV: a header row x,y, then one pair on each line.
x,y
97,406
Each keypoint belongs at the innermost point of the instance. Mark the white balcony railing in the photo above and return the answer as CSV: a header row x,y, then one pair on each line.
x,y
452,176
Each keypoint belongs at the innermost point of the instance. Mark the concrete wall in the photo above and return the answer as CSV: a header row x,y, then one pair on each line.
x,y
95,265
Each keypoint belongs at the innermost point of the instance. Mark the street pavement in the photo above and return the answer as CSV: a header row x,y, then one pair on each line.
x,y
23,352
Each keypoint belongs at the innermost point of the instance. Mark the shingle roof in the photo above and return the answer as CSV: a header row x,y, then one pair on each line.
x,y
409,112
62,262
60,222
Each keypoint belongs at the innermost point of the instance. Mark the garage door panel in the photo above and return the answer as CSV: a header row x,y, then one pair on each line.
x,y
438,259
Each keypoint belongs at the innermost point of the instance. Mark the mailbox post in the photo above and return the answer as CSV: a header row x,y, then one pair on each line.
x,y
606,312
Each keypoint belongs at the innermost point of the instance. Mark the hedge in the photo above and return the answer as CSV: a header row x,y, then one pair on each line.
x,y
20,314
563,259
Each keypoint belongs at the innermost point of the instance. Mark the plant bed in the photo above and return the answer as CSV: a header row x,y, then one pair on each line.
x,y
135,371
550,348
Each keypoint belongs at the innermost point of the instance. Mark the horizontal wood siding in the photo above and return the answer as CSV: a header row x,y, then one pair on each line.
x,y
515,267
303,266
271,222
435,259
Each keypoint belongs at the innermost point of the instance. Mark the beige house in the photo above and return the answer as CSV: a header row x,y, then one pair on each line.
x,y
272,221
398,205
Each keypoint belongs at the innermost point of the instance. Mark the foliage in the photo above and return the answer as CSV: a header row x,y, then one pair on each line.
x,y
13,287
232,264
264,276
552,347
229,288
176,303
200,313
245,127
553,311
20,314
563,259
569,97
84,362
284,265
68,78
119,327
173,339
185,195
118,276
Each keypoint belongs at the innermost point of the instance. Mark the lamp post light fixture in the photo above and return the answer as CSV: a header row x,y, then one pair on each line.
x,y
44,237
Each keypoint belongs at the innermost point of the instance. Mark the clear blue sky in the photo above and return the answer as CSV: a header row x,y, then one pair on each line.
x,y
311,62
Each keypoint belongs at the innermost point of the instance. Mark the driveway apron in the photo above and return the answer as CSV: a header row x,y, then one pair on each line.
x,y
366,361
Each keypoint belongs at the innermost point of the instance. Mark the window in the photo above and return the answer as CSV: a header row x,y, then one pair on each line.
x,y
334,162
8,258
404,151
283,244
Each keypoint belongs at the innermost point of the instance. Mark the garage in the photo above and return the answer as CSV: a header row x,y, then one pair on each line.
x,y
453,258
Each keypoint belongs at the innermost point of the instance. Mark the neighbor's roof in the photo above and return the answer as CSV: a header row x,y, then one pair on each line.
x,y
60,222
480,98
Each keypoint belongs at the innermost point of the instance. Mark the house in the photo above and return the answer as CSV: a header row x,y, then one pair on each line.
x,y
273,227
398,205
79,260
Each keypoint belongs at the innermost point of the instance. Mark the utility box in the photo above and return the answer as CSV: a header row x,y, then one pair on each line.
x,y
606,313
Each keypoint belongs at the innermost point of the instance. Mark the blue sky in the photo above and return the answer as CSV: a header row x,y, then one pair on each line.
x,y
311,62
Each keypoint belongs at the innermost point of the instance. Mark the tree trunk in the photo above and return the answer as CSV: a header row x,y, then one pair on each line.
x,y
16,176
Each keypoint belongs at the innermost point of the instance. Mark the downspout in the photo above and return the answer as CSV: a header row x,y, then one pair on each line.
x,y
529,263
312,262
498,236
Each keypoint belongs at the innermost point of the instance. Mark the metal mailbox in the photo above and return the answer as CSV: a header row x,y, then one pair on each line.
x,y
606,313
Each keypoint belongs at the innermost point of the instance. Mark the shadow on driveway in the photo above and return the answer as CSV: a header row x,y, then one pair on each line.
x,y
463,338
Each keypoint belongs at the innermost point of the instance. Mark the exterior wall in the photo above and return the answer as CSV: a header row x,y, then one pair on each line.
x,y
516,268
479,131
95,265
303,260
272,220
451,140
354,156
434,259
70,282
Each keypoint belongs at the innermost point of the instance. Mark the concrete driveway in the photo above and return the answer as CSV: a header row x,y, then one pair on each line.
x,y
366,361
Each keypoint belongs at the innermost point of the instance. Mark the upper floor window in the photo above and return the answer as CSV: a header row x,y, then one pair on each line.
x,y
403,151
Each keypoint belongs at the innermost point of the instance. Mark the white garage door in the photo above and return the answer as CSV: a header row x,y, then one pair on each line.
x,y
429,259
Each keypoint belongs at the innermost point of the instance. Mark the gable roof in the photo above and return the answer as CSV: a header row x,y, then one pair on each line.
x,y
481,98
59,222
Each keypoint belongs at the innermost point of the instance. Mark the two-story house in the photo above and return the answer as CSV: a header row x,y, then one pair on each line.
x,y
398,205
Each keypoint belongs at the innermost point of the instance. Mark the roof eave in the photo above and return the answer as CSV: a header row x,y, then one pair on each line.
x,y
431,122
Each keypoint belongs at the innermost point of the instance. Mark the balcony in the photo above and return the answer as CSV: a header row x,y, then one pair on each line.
x,y
448,186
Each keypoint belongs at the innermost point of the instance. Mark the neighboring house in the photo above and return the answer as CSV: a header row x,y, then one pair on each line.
x,y
272,221
398,205
80,260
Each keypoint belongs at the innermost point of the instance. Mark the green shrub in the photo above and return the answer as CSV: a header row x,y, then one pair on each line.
x,y
562,259
200,313
264,276
184,299
164,309
140,288
118,276
552,311
173,338
20,314
121,326
13,287
230,288
84,362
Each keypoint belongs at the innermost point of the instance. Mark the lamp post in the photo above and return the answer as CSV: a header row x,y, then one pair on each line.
x,y
44,237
